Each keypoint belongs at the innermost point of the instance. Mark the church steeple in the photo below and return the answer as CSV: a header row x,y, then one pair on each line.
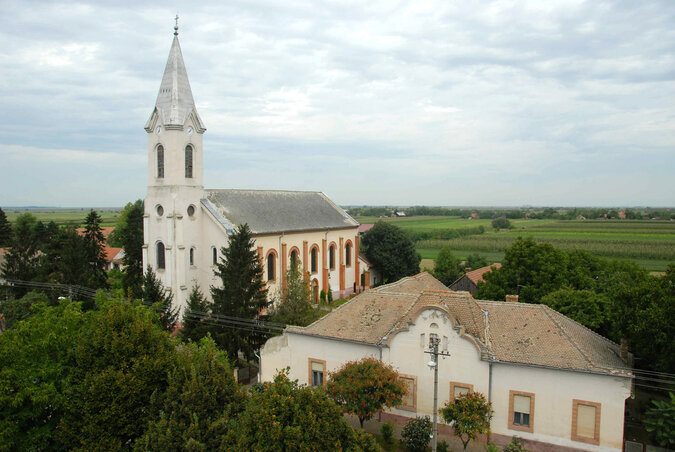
x,y
174,103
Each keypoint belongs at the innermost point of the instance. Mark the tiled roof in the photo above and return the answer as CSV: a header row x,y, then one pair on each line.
x,y
530,334
272,211
365,227
477,275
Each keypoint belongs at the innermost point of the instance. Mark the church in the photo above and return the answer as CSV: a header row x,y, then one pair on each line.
x,y
185,226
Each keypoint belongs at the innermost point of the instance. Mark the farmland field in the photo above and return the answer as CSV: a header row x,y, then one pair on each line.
x,y
650,243
65,216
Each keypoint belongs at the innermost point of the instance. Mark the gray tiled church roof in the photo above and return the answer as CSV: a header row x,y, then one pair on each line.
x,y
271,211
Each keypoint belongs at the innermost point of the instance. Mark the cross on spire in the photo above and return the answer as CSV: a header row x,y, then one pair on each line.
x,y
175,28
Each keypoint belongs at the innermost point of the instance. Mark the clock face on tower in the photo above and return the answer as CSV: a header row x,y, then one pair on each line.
x,y
190,130
158,130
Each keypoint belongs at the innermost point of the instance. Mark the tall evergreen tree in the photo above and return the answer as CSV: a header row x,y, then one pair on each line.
x,y
21,262
155,294
197,308
243,293
95,242
5,230
130,233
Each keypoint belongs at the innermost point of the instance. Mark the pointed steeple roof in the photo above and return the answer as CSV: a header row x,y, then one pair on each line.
x,y
174,102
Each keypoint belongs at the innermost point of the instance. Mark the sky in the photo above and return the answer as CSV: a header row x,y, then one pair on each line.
x,y
455,103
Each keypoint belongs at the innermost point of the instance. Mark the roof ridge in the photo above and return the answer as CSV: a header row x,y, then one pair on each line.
x,y
581,325
568,336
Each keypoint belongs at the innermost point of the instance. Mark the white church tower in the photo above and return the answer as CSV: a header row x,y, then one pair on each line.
x,y
175,184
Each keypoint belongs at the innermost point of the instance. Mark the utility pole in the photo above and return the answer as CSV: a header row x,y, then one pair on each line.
x,y
434,340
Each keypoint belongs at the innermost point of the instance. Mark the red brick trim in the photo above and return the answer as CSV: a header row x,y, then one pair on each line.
x,y
575,412
521,428
456,384
309,370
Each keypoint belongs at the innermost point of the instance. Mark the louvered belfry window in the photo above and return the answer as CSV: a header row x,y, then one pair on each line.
x,y
188,161
160,161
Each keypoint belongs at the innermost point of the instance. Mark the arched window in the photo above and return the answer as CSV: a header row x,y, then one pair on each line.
x,y
188,161
270,266
215,255
161,262
331,257
294,257
192,256
160,161
314,257
348,254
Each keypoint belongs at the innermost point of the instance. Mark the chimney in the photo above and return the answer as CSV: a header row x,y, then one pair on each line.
x,y
512,298
467,269
624,350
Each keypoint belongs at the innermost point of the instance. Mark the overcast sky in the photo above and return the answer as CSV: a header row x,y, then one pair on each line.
x,y
371,102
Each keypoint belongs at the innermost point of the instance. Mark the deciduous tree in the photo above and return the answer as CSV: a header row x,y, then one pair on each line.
x,y
446,267
470,414
364,387
200,400
282,415
243,293
391,251
295,306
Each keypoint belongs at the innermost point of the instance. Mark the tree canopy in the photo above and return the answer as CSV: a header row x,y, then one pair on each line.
x,y
470,414
364,387
129,234
243,293
447,266
391,251
294,306
5,230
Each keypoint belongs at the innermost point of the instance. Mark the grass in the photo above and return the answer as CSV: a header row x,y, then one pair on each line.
x,y
64,217
649,243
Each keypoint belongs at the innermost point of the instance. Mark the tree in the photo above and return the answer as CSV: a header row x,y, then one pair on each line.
x,y
660,421
195,315
95,243
470,414
584,306
295,306
201,398
21,262
65,259
416,434
501,223
243,293
447,266
5,230
364,387
129,233
120,358
34,374
529,269
15,310
282,415
154,294
475,260
391,251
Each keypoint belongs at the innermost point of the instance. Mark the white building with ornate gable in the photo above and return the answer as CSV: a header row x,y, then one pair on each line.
x,y
185,225
551,381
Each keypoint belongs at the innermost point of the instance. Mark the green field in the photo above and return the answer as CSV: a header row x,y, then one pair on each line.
x,y
650,243
64,217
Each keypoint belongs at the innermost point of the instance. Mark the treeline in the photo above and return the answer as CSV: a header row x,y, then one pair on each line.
x,y
38,252
617,299
559,213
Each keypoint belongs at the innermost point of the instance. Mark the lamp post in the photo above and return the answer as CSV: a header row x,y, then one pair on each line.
x,y
433,364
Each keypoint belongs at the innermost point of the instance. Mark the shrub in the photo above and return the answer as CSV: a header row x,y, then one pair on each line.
x,y
322,297
387,431
330,295
442,447
416,434
516,445
501,223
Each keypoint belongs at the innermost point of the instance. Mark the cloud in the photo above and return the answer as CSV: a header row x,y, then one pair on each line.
x,y
414,102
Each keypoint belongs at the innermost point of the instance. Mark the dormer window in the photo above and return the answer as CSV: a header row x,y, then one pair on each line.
x,y
160,161
188,161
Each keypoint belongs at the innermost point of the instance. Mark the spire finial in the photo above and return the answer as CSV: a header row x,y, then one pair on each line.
x,y
175,28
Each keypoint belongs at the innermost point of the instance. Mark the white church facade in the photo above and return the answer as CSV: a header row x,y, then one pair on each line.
x,y
185,226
